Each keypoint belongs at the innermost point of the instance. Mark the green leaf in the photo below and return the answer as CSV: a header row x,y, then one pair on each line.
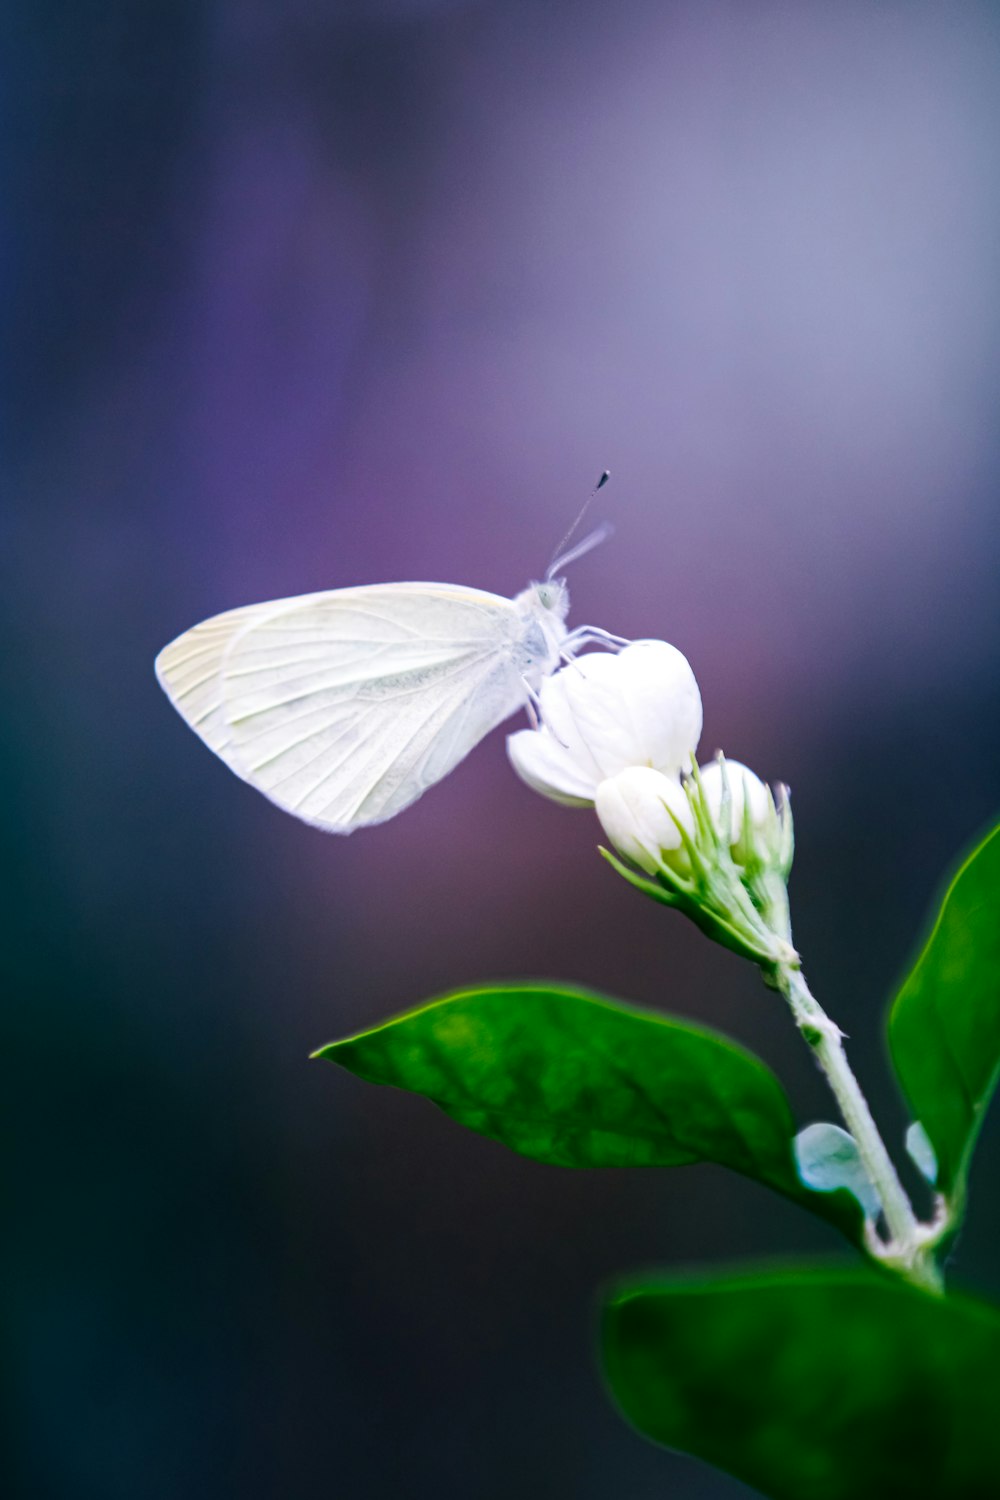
x,y
944,1027
814,1384
569,1078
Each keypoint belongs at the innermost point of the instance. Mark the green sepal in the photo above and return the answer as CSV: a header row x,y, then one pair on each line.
x,y
643,883
757,945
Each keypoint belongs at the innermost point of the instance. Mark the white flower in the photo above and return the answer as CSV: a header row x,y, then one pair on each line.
x,y
619,733
604,713
640,810
746,792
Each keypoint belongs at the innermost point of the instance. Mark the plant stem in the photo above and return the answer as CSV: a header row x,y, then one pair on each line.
x,y
906,1251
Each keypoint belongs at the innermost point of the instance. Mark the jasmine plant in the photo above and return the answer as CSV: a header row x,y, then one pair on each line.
x,y
857,1378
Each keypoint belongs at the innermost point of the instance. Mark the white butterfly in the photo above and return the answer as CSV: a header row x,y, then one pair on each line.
x,y
344,707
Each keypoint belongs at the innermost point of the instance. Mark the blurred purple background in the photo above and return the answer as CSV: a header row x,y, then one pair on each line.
x,y
329,293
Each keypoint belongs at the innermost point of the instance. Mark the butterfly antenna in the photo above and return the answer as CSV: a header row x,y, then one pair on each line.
x,y
561,558
591,540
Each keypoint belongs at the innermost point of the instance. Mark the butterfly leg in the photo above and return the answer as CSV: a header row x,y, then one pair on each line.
x,y
533,703
586,635
533,708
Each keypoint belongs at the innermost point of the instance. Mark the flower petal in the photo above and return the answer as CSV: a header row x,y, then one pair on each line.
x,y
547,767
639,707
582,708
661,695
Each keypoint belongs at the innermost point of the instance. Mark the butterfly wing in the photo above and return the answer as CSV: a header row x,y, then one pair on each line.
x,y
188,670
344,707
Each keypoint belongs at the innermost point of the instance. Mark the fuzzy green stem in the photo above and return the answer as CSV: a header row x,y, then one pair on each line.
x,y
907,1251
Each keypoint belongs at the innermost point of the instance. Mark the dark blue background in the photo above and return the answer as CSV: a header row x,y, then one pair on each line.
x,y
320,294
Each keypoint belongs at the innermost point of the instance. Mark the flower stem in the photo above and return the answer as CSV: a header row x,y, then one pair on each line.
x,y
907,1250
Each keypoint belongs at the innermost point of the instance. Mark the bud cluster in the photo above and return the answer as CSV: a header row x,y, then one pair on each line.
x,y
619,732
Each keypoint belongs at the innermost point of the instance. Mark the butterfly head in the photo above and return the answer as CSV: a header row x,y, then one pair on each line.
x,y
542,608
550,597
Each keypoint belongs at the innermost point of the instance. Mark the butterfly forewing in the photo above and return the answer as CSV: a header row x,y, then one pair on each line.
x,y
344,707
189,673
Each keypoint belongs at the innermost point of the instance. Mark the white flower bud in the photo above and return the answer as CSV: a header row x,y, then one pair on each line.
x,y
746,790
605,712
635,810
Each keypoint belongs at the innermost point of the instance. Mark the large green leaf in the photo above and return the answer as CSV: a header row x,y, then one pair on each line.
x,y
569,1078
944,1027
814,1384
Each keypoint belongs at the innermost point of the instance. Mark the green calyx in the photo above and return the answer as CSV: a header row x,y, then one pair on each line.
x,y
742,905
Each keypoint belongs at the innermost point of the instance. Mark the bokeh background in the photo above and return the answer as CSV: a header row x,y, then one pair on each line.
x,y
326,293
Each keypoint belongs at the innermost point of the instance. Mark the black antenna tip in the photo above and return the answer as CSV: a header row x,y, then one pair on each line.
x,y
605,476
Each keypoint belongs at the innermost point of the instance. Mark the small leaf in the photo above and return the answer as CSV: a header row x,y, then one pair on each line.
x,y
566,1077
827,1158
921,1152
814,1383
944,1028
